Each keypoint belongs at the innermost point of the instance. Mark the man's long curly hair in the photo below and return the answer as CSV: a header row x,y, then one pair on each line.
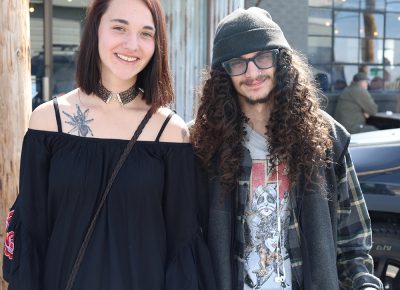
x,y
297,132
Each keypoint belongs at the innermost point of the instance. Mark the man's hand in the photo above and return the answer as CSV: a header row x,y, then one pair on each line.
x,y
366,116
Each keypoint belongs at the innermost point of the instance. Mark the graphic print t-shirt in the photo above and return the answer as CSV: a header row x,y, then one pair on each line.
x,y
262,258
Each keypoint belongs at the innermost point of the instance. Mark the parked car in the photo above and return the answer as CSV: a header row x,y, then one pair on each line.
x,y
376,157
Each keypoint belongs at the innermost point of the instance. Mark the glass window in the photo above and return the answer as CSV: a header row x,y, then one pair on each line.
x,y
37,44
347,36
393,25
393,6
373,4
320,3
354,4
392,81
64,66
371,25
319,50
346,49
338,80
377,78
392,52
320,21
67,19
342,75
371,50
36,27
66,27
346,23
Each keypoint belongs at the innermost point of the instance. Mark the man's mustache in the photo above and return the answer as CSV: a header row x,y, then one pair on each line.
x,y
259,78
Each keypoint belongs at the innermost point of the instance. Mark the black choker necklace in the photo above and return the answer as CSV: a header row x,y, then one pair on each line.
x,y
123,98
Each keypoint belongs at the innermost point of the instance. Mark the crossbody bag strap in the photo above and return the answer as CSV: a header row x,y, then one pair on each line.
x,y
89,232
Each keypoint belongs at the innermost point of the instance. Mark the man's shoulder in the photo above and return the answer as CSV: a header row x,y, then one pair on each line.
x,y
346,90
338,130
356,90
349,91
340,136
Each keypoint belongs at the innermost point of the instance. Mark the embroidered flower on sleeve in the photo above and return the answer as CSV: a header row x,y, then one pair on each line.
x,y
9,245
9,241
10,214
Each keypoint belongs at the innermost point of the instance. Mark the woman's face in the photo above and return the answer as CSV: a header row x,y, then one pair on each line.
x,y
126,40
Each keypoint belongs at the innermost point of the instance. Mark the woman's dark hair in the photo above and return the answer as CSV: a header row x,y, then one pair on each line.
x,y
155,79
298,133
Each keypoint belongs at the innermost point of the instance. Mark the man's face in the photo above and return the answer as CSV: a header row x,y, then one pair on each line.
x,y
255,84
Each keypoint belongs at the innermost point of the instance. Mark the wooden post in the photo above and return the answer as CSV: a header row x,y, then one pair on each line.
x,y
15,100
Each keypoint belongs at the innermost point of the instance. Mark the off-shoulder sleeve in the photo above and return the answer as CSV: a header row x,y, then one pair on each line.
x,y
185,208
26,231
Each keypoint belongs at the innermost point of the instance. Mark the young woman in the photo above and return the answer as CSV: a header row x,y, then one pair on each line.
x,y
148,234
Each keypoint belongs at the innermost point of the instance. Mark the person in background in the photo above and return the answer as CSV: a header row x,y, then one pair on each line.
x,y
376,84
148,234
322,81
355,105
339,85
286,209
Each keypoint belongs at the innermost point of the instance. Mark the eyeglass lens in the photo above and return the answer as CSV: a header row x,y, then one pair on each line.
x,y
262,60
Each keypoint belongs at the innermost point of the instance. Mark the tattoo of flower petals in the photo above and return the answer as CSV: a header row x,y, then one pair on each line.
x,y
79,122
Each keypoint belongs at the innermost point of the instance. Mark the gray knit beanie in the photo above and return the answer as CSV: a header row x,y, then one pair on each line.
x,y
244,31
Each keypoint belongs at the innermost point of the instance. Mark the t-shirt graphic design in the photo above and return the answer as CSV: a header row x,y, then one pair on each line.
x,y
263,259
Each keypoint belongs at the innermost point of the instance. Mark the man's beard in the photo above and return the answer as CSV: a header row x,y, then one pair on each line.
x,y
251,101
255,101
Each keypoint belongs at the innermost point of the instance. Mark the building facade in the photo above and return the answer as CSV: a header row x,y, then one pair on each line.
x,y
338,37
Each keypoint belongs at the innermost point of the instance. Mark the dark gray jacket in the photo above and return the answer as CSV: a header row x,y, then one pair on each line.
x,y
315,250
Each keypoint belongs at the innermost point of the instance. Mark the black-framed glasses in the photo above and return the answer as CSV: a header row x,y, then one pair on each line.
x,y
263,60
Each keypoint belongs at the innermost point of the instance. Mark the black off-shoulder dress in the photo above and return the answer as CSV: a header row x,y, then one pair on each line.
x,y
148,235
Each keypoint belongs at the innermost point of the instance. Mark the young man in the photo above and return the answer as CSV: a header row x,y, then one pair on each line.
x,y
355,105
286,209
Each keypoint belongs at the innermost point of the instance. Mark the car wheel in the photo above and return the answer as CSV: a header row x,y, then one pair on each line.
x,y
386,254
